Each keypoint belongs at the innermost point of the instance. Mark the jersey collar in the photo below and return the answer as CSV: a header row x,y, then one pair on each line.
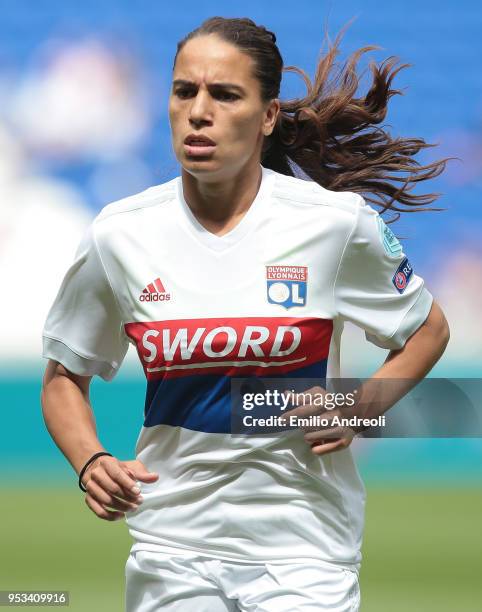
x,y
239,231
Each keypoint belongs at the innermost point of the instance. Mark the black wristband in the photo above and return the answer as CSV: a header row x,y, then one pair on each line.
x,y
82,471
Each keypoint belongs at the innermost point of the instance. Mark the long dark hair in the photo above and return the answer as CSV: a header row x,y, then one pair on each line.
x,y
331,136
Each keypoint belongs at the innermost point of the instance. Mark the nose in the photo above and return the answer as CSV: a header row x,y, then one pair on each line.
x,y
200,110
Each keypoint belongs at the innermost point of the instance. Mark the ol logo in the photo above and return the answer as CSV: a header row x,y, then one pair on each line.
x,y
286,285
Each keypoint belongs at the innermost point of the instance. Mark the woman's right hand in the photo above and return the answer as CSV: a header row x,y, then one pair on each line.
x,y
111,483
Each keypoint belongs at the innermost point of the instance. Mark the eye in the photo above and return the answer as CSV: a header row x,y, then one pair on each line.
x,y
183,92
226,96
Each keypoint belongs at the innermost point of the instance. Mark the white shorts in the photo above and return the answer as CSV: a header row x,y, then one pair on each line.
x,y
193,583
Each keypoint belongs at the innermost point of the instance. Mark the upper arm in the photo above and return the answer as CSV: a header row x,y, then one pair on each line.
x,y
376,287
55,369
436,322
84,329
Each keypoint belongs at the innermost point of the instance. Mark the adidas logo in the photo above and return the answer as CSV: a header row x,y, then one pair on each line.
x,y
155,292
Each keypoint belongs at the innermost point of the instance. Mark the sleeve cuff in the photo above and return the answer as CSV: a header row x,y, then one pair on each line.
x,y
83,366
414,318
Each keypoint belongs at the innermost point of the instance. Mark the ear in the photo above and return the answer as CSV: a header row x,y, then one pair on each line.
x,y
270,116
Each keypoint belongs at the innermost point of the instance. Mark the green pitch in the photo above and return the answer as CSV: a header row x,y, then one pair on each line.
x,y
422,551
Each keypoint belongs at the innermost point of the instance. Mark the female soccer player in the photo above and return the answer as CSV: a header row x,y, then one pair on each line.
x,y
240,268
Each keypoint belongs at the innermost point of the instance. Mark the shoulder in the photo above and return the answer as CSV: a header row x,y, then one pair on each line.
x,y
131,205
126,217
306,193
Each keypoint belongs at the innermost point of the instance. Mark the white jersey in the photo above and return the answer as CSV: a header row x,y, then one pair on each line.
x,y
268,299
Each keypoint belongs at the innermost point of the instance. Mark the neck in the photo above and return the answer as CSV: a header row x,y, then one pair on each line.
x,y
220,205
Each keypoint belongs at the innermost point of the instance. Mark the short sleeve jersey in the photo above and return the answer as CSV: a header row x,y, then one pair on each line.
x,y
269,298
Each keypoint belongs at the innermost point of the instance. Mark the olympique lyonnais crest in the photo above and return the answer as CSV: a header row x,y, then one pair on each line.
x,y
287,285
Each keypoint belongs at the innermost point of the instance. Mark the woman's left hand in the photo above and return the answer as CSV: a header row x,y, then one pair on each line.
x,y
322,446
323,439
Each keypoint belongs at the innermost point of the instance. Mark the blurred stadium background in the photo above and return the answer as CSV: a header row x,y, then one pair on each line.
x,y
83,121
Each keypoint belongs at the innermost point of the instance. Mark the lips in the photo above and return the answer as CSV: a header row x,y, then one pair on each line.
x,y
198,140
199,146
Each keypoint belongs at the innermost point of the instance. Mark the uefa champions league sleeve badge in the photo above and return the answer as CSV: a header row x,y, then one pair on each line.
x,y
402,275
287,285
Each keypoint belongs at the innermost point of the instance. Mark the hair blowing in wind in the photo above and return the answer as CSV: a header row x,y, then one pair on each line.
x,y
331,134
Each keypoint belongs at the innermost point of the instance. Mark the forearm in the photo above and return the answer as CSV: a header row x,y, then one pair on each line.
x,y
111,485
69,419
404,368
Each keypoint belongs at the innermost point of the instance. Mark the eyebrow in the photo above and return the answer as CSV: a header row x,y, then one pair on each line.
x,y
217,85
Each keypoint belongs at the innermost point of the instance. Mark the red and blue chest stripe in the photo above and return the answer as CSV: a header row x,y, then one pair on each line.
x,y
189,363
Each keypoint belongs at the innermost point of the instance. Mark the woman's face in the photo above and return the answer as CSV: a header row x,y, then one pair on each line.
x,y
214,94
